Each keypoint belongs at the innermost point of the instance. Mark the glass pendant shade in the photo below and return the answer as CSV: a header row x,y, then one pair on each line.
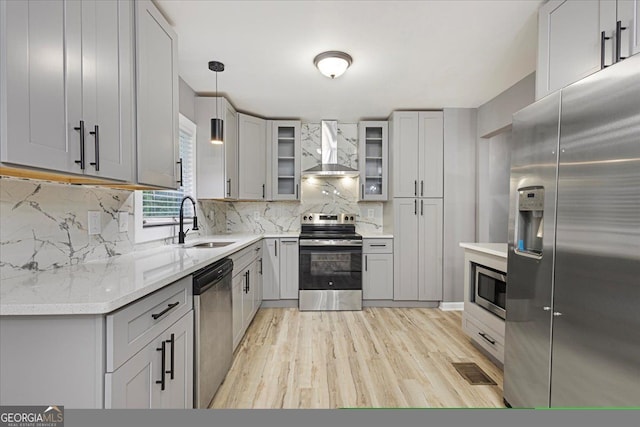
x,y
217,128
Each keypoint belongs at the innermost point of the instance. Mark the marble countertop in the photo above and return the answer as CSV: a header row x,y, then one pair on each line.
x,y
102,286
497,249
377,236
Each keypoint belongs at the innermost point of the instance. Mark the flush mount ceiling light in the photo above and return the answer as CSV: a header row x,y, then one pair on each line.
x,y
217,125
333,63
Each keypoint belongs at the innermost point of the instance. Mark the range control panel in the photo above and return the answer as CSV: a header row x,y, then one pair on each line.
x,y
320,218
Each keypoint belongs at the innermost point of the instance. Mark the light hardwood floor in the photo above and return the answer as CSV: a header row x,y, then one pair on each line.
x,y
377,357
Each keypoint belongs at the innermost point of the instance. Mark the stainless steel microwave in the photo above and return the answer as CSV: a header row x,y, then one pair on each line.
x,y
490,290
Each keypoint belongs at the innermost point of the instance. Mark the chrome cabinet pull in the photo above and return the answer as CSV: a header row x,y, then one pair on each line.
x,y
81,130
603,37
166,310
96,135
163,349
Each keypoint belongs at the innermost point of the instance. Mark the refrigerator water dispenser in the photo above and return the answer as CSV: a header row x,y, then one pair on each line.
x,y
530,222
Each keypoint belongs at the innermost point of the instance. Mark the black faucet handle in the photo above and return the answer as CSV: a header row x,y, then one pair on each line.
x,y
195,223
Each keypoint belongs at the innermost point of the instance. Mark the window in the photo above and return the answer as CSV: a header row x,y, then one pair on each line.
x,y
156,210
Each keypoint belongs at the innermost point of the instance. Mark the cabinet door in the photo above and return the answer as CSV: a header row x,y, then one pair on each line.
x,y
373,149
33,122
237,292
628,13
179,359
231,152
568,43
285,160
157,100
289,260
252,152
404,150
430,250
107,87
431,154
405,251
133,385
271,269
377,276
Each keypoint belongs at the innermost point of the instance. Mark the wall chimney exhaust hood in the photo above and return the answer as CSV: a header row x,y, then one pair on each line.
x,y
330,166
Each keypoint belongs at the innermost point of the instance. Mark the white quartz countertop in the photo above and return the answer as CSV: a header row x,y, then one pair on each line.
x,y
102,286
497,249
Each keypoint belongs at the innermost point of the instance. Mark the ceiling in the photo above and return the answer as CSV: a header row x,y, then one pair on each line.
x,y
406,54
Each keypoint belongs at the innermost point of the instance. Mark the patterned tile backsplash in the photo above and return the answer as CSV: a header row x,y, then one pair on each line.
x,y
43,225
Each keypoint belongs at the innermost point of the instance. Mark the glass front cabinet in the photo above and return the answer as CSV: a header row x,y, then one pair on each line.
x,y
286,155
373,160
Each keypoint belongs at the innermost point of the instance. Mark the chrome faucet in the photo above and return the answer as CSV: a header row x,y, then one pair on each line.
x,y
183,234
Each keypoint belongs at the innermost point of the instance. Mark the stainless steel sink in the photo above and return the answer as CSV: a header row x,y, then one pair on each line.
x,y
210,245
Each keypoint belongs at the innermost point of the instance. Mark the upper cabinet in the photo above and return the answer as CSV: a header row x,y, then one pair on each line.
x,y
67,68
217,165
372,160
252,157
157,97
417,150
284,166
577,38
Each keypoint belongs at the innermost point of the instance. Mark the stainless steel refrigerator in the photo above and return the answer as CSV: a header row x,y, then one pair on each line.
x,y
573,286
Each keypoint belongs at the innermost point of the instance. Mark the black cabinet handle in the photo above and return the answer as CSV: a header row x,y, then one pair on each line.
x,y
421,207
248,281
378,246
297,191
172,341
421,187
169,307
96,135
415,188
81,130
483,335
163,349
261,266
263,191
603,37
276,248
619,29
366,264
180,181
229,188
415,207
363,191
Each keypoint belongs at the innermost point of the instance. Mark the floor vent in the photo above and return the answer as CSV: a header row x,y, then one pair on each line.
x,y
473,374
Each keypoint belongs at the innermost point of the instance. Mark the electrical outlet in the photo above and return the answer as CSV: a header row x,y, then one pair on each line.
x,y
123,222
95,225
256,215
370,213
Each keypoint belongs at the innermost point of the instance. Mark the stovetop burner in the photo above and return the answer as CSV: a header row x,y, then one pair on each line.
x,y
329,226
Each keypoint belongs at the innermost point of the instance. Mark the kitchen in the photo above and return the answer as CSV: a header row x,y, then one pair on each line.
x,y
387,239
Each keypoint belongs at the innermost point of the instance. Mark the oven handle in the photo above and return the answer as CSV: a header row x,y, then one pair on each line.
x,y
331,243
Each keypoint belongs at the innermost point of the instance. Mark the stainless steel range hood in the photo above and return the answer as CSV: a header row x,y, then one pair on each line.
x,y
330,166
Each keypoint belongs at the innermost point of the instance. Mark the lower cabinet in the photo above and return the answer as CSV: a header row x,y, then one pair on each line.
x,y
246,289
158,376
280,268
377,266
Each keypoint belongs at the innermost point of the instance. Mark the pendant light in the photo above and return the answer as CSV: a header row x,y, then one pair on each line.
x,y
217,125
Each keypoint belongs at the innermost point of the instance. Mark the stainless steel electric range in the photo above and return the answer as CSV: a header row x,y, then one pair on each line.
x,y
330,263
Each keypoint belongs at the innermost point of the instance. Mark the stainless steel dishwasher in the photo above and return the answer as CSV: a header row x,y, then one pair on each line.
x,y
213,330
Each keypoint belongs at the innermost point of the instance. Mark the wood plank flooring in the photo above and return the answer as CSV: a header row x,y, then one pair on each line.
x,y
377,357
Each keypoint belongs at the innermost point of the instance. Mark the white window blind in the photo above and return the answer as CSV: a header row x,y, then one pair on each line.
x,y
162,207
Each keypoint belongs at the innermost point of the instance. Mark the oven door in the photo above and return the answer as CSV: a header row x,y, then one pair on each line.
x,y
330,266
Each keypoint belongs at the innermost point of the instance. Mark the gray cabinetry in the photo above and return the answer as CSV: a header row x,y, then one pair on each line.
x,y
377,270
373,159
67,74
157,97
289,260
579,37
271,269
417,252
246,288
217,164
252,157
284,160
